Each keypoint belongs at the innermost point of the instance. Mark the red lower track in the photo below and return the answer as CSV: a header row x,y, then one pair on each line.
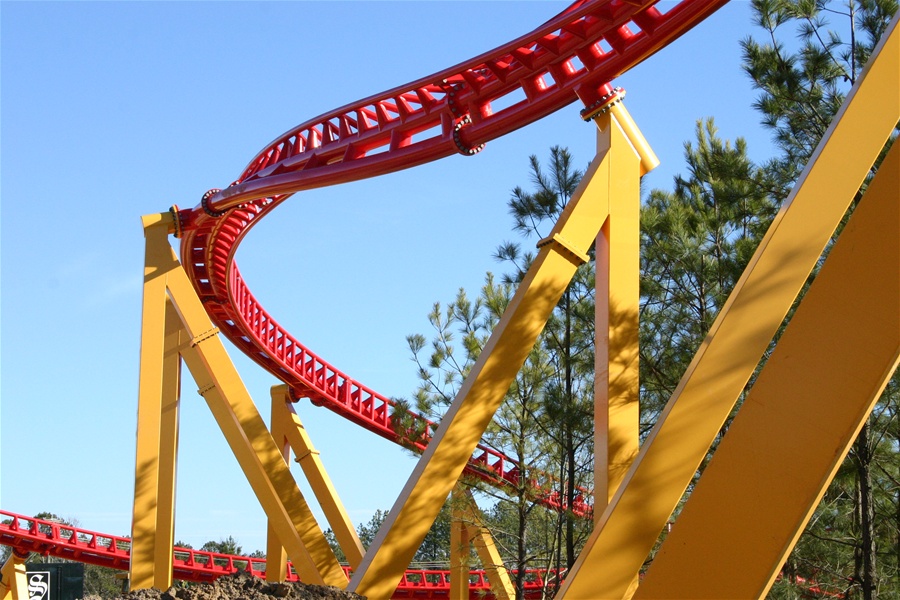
x,y
572,56
48,538
27,534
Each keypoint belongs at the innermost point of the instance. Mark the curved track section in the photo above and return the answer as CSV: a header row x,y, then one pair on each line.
x,y
572,56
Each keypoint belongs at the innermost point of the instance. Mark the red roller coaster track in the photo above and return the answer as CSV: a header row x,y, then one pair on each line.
x,y
572,56
50,538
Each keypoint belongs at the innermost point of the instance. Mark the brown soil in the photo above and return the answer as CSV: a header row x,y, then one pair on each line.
x,y
243,586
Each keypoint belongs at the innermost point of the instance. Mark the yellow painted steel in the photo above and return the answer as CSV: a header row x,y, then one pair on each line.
x,y
286,425
616,389
231,405
168,449
472,410
13,578
642,149
629,527
467,527
153,511
276,557
459,554
803,413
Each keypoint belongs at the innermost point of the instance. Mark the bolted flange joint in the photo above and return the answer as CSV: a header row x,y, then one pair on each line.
x,y
603,104
204,202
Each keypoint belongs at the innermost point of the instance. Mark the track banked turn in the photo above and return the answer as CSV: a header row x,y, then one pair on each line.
x,y
572,56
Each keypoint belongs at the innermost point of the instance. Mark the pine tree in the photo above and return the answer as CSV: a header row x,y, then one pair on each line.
x,y
695,243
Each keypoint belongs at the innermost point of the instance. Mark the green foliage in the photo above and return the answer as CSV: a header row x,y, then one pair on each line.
x,y
695,243
802,88
226,545
434,551
103,581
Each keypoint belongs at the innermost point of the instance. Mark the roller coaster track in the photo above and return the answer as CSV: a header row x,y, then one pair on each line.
x,y
50,538
572,56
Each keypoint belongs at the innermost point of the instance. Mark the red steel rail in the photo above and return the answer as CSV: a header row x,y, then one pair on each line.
x,y
49,538
572,56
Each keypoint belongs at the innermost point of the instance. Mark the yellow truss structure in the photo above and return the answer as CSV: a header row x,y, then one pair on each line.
x,y
781,451
175,327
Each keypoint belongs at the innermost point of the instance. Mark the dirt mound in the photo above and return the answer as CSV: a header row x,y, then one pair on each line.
x,y
243,586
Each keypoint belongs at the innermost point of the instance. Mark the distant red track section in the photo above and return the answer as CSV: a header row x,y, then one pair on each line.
x,y
50,538
572,56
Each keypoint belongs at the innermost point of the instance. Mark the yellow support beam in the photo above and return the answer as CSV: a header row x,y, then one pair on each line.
x,y
618,258
14,578
231,405
286,425
481,394
801,417
153,520
467,527
459,555
629,527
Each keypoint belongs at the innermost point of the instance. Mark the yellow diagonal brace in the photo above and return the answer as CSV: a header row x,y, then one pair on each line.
x,y
286,424
627,530
481,394
13,578
262,463
800,419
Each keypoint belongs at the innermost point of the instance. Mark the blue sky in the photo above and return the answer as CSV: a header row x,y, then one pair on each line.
x,y
112,110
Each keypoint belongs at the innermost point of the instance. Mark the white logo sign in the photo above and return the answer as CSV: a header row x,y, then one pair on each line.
x,y
38,585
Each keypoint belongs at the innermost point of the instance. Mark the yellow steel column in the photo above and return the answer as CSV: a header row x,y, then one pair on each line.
x,y
629,527
151,566
289,426
168,450
470,413
616,391
803,413
276,557
13,577
459,550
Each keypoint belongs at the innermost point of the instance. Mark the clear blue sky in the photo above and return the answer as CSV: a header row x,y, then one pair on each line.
x,y
112,110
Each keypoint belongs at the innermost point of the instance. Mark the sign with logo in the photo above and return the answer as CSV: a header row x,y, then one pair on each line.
x,y
55,581
39,585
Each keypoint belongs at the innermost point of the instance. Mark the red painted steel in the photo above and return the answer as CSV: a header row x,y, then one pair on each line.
x,y
571,56
49,538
